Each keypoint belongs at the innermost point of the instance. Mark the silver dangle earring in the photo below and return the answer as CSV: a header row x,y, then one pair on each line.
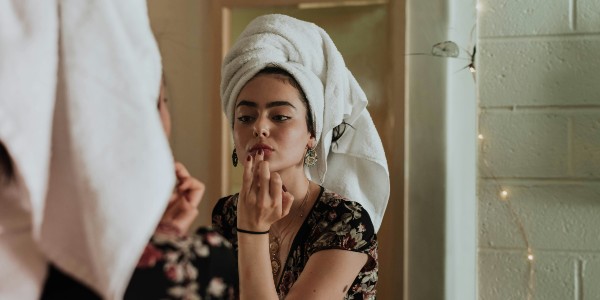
x,y
310,159
234,158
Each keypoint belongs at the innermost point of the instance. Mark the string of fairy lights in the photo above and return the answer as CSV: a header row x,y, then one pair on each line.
x,y
504,196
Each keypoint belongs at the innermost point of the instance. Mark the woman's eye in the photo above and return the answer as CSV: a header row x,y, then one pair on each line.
x,y
244,119
281,118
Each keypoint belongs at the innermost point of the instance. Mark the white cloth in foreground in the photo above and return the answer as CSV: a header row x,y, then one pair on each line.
x,y
78,115
355,166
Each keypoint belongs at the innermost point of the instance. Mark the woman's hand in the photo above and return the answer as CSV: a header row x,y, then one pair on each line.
x,y
183,204
263,199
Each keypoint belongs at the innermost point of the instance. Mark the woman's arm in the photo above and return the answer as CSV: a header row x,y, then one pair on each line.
x,y
328,274
256,277
262,202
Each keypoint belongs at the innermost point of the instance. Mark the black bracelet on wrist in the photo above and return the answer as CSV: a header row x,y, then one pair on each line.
x,y
251,232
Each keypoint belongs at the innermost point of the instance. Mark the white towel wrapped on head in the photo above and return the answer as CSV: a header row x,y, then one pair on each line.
x,y
355,166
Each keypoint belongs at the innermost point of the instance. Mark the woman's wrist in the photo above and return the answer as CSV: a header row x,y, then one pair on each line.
x,y
241,230
258,227
169,229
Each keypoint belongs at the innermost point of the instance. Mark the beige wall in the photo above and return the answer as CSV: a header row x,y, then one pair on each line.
x,y
184,42
540,120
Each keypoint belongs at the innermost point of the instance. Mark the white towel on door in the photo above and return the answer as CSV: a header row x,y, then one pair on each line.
x,y
355,166
78,115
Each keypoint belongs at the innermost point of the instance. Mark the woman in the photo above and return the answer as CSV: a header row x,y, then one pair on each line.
x,y
174,265
296,110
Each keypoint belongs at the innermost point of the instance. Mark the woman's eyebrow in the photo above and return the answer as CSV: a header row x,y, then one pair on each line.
x,y
280,103
269,105
246,103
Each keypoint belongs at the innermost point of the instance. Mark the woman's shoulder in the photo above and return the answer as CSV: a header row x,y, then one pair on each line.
x,y
227,202
335,209
340,223
224,215
332,200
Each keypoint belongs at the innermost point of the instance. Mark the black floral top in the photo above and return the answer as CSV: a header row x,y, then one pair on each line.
x,y
195,267
333,223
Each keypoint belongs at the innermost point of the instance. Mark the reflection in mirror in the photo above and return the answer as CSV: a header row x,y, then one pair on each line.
x,y
367,35
364,34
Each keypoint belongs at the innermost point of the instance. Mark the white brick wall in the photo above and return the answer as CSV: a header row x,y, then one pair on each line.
x,y
539,93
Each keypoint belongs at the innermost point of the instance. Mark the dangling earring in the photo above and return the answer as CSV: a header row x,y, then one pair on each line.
x,y
310,159
234,158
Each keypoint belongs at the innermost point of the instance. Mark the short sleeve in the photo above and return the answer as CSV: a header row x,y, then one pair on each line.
x,y
224,218
342,224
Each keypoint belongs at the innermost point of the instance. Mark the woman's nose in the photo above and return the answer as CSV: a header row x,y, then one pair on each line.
x,y
261,128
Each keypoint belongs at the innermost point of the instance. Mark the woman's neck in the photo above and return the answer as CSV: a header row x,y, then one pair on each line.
x,y
296,184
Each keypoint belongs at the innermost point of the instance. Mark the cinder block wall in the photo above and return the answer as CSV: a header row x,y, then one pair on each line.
x,y
539,117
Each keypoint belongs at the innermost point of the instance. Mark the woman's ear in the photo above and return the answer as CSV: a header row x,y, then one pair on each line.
x,y
312,142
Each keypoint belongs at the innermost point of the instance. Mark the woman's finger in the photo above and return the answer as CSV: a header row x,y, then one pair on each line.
x,y
264,173
196,192
247,177
187,183
258,158
181,171
170,211
275,191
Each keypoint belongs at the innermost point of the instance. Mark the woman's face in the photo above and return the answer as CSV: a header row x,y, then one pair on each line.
x,y
270,115
163,110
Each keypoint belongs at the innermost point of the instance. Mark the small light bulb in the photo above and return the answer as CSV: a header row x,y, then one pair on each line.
x,y
530,257
472,69
503,194
480,136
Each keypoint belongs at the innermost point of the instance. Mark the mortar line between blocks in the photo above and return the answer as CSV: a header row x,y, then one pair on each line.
x,y
557,37
578,280
526,181
589,108
523,250
570,147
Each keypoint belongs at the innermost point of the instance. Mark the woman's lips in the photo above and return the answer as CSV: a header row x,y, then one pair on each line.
x,y
266,149
267,152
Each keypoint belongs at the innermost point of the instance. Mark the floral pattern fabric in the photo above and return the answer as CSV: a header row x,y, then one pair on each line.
x,y
333,223
197,267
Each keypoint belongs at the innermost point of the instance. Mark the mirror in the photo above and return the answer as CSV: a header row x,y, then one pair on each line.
x,y
193,37
361,31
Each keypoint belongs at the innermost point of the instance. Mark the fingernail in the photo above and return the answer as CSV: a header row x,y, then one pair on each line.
x,y
284,188
248,158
